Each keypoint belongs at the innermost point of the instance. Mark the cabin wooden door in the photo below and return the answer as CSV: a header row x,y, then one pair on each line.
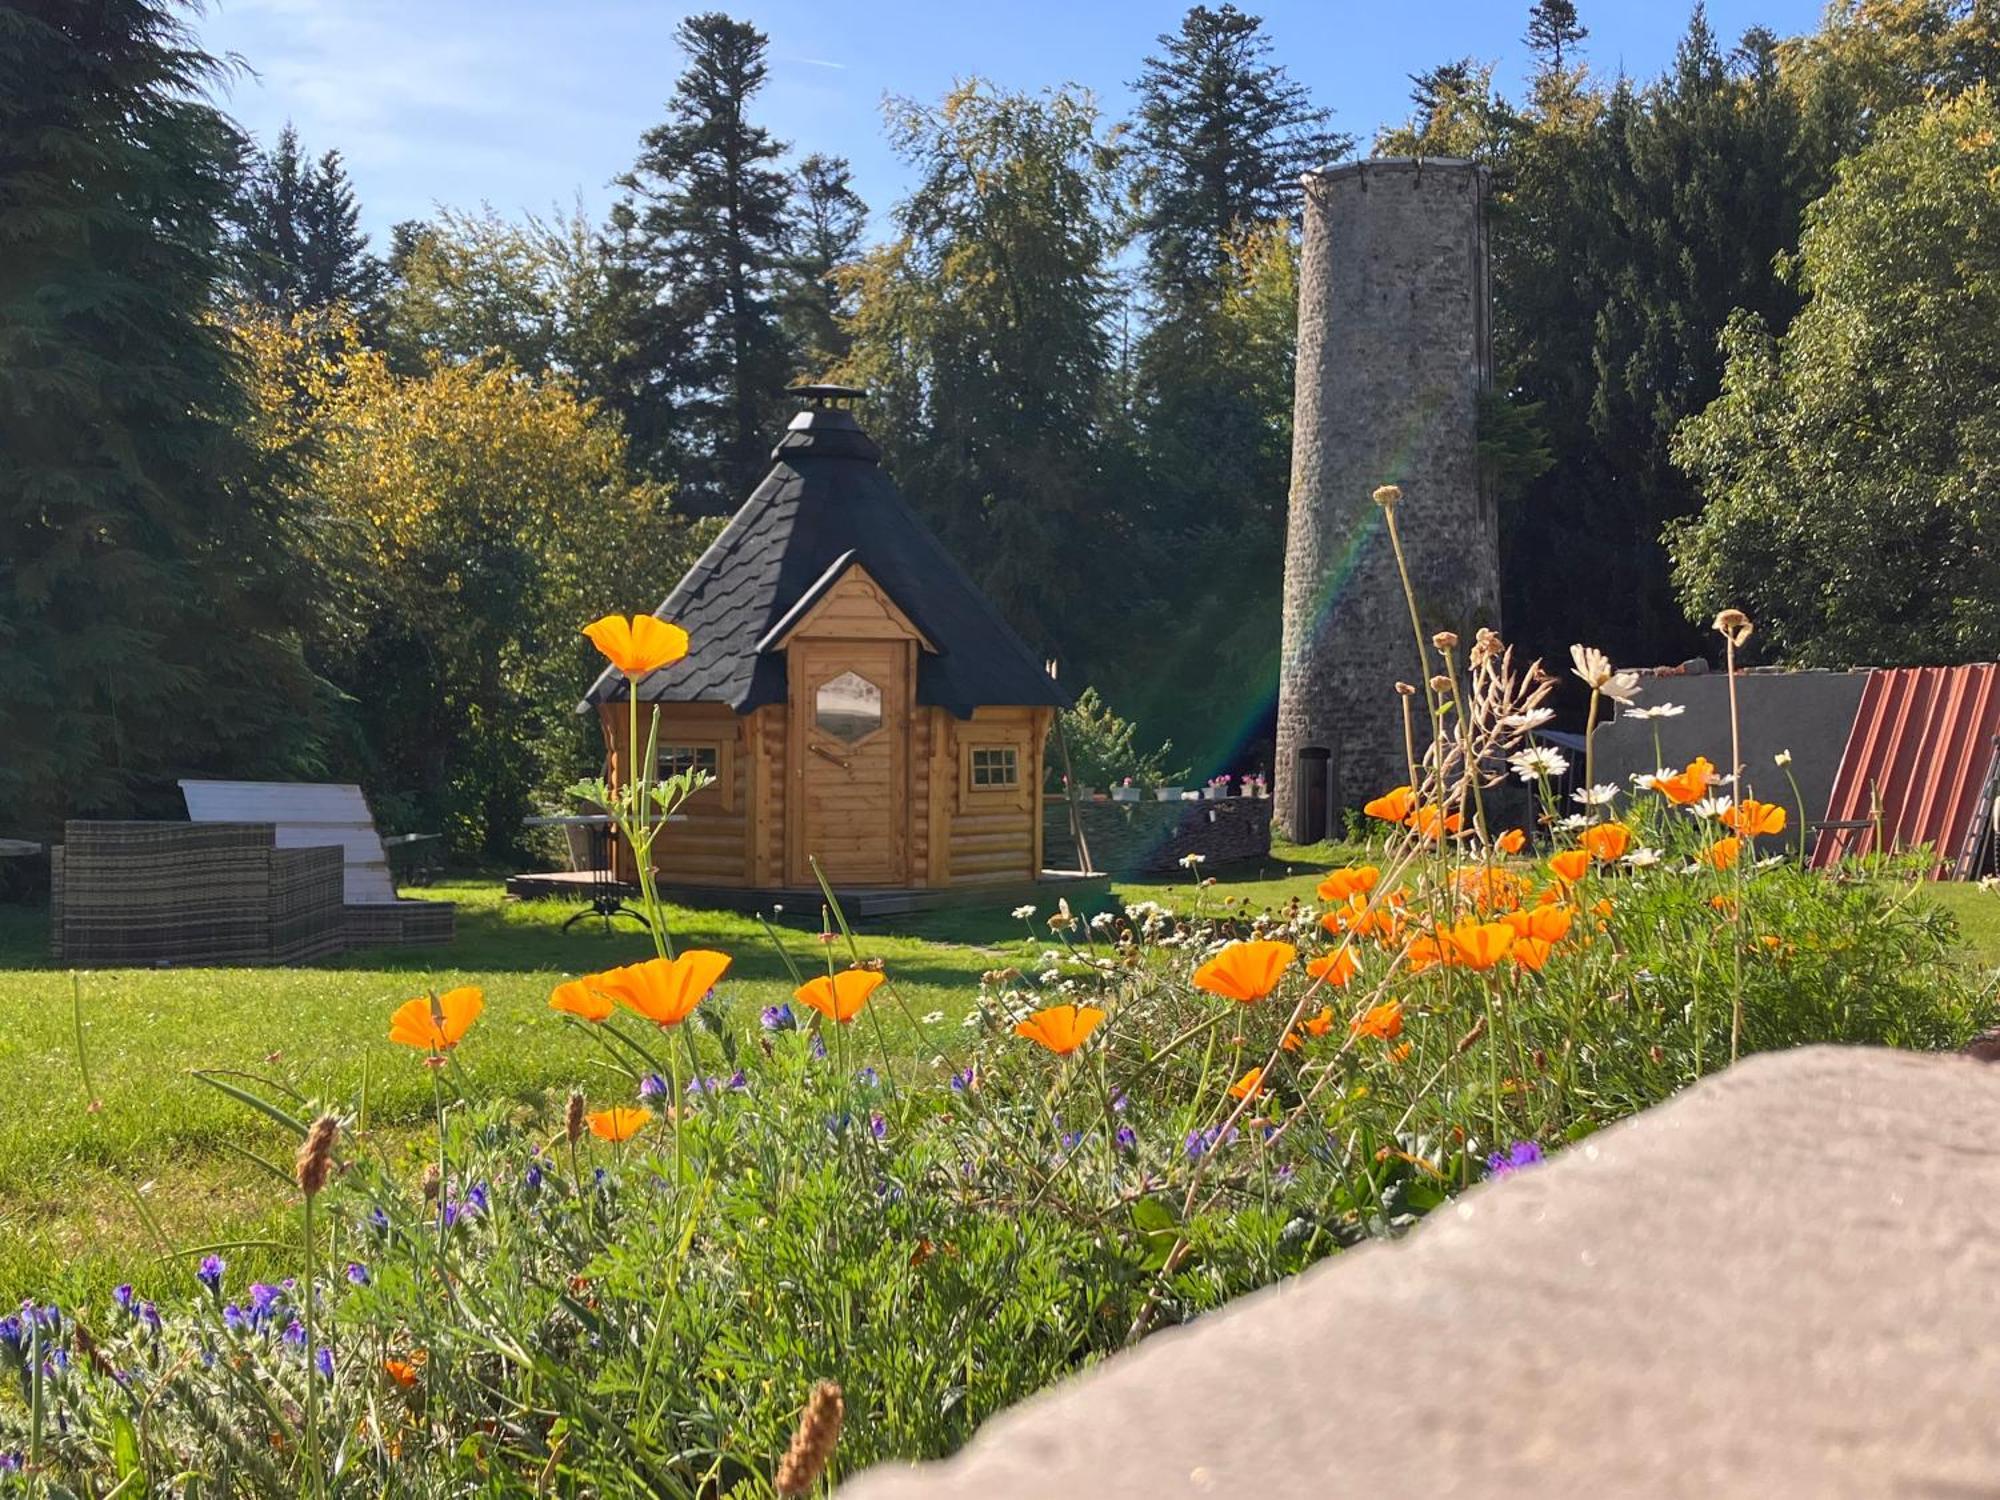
x,y
850,733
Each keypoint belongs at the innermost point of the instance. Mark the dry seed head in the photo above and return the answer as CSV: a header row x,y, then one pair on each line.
x,y
316,1155
1408,690
1441,684
1388,495
431,1181
812,1444
1445,640
573,1117
1733,626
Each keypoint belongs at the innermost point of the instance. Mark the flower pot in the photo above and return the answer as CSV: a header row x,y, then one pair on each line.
x,y
1124,794
1167,793
1214,793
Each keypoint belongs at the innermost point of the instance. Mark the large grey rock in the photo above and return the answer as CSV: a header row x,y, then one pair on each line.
x,y
1786,1282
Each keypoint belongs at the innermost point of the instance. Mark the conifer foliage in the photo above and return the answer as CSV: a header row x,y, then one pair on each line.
x,y
144,613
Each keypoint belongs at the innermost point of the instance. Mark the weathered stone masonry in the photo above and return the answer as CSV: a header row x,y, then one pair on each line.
x,y
1394,351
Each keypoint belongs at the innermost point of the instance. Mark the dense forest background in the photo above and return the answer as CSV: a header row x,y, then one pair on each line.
x,y
272,503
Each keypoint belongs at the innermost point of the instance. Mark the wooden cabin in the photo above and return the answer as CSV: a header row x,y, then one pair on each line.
x,y
855,696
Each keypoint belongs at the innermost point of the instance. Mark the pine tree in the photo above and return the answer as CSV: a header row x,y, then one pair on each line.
x,y
300,238
831,219
1222,137
145,604
1553,27
701,240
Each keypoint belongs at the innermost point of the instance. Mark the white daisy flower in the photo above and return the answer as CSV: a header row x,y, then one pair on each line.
x,y
933,1018
1023,913
1668,710
1782,758
1643,858
1192,860
1595,796
1595,668
1572,823
1537,761
1533,718
1645,781
1712,807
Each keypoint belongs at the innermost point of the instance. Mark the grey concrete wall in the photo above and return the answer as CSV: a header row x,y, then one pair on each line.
x,y
1394,349
1779,1284
1808,713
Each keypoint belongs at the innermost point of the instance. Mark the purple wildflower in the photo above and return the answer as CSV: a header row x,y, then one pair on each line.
x,y
1118,1100
1071,1139
737,1082
10,1463
476,1198
11,1333
1284,1175
234,1320
1514,1158
210,1274
877,1126
777,1018
150,1316
295,1334
532,1178
358,1273
652,1086
324,1359
819,1045
1126,1137
962,1080
263,1298
867,1078
122,1295
378,1221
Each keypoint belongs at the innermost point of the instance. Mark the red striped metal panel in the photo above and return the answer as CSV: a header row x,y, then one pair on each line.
x,y
1922,747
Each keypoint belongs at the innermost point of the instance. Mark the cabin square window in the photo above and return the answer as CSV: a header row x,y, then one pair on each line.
x,y
995,768
675,759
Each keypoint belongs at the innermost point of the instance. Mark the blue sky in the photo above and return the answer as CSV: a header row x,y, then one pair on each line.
x,y
527,104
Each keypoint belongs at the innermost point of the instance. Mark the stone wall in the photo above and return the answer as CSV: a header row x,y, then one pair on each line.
x,y
1777,1284
1807,713
1151,837
1394,351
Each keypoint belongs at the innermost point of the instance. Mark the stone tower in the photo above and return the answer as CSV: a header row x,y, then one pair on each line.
x,y
1394,351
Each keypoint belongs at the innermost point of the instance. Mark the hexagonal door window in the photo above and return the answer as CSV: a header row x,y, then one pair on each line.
x,y
848,707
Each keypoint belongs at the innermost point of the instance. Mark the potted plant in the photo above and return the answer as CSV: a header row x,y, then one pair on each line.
x,y
1125,791
1256,786
1217,788
1167,793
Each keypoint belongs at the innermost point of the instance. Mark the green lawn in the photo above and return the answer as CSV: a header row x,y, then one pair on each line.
x,y
68,1174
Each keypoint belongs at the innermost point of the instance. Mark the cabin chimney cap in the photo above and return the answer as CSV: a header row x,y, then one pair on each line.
x,y
824,396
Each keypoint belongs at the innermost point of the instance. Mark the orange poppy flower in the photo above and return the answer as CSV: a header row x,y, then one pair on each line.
x,y
1722,854
666,990
1320,1024
1246,971
1393,806
1423,952
1334,968
1723,904
1476,945
1489,887
1606,841
436,1023
1513,841
637,645
405,1371
1249,1086
1060,1028
1545,924
1689,786
617,1123
1400,1052
1602,908
1384,1022
1433,822
1570,866
1753,819
1340,885
839,997
1531,952
582,998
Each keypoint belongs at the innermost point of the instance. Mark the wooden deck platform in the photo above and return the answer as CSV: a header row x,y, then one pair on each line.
x,y
856,901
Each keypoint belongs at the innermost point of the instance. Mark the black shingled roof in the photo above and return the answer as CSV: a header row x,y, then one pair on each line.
x,y
828,504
